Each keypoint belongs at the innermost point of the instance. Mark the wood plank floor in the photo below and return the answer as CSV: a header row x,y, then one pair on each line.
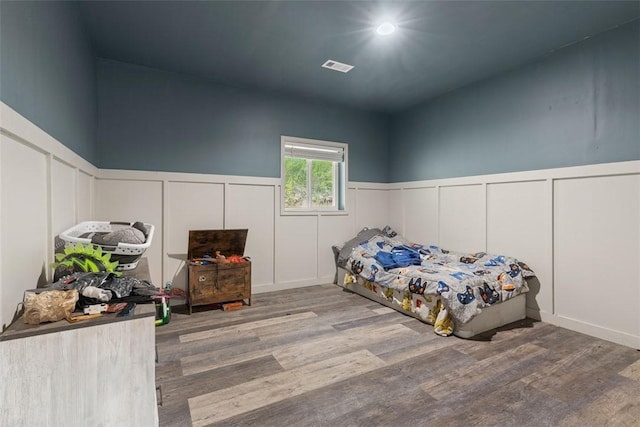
x,y
320,356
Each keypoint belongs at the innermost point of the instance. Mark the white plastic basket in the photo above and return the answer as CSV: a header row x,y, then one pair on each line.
x,y
83,232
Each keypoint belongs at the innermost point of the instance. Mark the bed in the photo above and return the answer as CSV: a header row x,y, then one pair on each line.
x,y
458,293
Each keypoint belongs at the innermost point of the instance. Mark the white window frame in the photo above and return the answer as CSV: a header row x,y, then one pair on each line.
x,y
340,184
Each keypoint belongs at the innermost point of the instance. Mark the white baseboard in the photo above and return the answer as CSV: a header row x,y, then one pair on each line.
x,y
272,287
592,330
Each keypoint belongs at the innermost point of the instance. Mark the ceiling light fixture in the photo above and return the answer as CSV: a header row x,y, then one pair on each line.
x,y
385,28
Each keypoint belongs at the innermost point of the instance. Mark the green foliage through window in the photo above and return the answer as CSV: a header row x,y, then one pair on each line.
x,y
295,187
322,186
304,178
313,175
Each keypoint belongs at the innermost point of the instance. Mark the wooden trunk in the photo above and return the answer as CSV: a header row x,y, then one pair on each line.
x,y
217,282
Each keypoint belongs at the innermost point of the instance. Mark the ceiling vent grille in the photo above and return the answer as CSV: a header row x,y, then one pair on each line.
x,y
337,66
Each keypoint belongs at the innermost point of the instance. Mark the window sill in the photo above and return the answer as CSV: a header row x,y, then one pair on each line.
x,y
313,213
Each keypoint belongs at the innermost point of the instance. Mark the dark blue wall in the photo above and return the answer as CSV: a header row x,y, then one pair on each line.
x,y
577,106
47,71
161,121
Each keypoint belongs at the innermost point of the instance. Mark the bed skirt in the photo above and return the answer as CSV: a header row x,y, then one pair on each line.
x,y
491,317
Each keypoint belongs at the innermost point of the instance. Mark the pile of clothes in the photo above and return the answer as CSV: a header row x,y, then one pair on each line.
x,y
102,287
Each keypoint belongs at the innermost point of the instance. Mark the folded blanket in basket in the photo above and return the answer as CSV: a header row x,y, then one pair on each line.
x,y
136,235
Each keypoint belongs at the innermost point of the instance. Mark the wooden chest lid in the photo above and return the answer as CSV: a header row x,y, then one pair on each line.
x,y
207,242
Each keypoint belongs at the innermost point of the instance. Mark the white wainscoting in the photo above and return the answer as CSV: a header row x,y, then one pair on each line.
x,y
63,201
396,209
188,206
420,214
84,197
596,254
519,223
254,207
286,251
296,249
462,217
372,206
131,200
332,230
45,188
578,228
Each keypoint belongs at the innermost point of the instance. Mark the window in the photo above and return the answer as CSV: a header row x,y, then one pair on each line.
x,y
314,175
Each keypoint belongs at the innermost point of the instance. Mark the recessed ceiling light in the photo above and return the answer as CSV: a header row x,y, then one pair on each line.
x,y
385,28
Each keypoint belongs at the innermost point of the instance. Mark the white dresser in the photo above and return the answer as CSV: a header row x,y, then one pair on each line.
x,y
98,372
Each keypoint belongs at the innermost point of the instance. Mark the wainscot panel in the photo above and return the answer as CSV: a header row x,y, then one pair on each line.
x,y
421,214
44,187
253,207
519,224
189,206
134,200
462,218
596,252
578,228
63,206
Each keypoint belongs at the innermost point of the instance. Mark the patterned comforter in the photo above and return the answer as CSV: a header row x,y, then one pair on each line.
x,y
465,282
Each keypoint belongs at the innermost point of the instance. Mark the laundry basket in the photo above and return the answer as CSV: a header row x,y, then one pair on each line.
x,y
127,254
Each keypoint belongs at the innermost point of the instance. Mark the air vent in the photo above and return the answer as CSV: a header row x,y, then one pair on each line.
x,y
337,66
